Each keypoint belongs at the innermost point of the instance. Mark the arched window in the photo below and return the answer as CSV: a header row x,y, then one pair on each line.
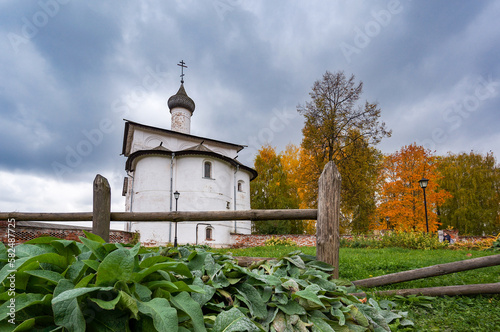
x,y
240,186
209,233
207,170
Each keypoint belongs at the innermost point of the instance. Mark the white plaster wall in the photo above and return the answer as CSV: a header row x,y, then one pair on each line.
x,y
152,184
151,193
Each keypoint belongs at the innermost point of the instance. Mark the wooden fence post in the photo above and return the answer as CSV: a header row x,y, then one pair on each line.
x,y
327,226
102,207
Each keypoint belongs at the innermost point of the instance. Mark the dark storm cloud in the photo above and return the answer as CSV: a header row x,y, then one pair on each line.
x,y
71,71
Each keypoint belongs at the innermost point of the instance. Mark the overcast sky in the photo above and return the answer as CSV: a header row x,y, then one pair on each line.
x,y
71,71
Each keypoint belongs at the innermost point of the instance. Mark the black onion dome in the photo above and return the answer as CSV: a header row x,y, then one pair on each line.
x,y
181,99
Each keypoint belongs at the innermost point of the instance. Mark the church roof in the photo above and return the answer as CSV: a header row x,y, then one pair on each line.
x,y
199,147
161,148
181,99
131,126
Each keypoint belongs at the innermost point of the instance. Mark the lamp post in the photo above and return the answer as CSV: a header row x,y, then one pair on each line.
x,y
423,183
176,195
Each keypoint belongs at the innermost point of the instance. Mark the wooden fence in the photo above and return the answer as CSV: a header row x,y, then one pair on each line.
x,y
327,215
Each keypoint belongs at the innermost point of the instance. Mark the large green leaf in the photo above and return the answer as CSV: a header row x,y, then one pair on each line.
x,y
95,247
308,295
233,321
297,261
24,263
173,287
197,261
211,266
184,302
320,325
206,295
163,315
3,252
93,264
22,301
93,237
178,267
30,250
142,292
67,248
320,265
129,304
27,325
67,312
292,308
106,320
72,293
42,239
50,276
253,300
118,265
85,280
75,271
152,260
107,305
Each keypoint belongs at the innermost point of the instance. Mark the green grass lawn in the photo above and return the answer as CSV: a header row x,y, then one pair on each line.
x,y
458,313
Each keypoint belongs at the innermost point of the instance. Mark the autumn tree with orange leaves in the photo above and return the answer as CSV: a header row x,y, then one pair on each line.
x,y
401,197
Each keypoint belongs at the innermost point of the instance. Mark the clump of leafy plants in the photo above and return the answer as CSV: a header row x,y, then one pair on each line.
x,y
412,240
63,285
280,241
360,241
495,246
395,239
481,244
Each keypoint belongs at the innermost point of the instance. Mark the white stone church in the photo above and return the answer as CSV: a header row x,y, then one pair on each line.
x,y
203,171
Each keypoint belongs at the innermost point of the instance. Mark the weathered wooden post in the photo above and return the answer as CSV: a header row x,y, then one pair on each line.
x,y
327,226
102,207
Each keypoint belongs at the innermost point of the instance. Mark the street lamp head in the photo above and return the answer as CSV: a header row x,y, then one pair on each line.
x,y
423,183
177,194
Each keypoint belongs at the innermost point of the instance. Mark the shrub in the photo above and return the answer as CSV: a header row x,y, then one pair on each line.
x,y
279,241
412,240
97,286
496,244
481,244
359,241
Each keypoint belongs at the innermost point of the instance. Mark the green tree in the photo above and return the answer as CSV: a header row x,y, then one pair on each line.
x,y
337,128
474,181
360,175
273,189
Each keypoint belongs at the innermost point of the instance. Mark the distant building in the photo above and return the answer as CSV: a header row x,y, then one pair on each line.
x,y
204,171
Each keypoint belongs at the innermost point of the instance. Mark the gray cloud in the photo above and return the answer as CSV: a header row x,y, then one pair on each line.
x,y
71,71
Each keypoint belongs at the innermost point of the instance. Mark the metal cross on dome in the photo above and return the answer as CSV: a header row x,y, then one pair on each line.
x,y
182,64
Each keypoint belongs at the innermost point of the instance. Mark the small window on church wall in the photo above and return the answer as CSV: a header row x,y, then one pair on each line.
x,y
207,170
240,186
209,233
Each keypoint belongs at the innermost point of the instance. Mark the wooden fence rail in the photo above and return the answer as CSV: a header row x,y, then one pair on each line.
x,y
327,214
290,214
